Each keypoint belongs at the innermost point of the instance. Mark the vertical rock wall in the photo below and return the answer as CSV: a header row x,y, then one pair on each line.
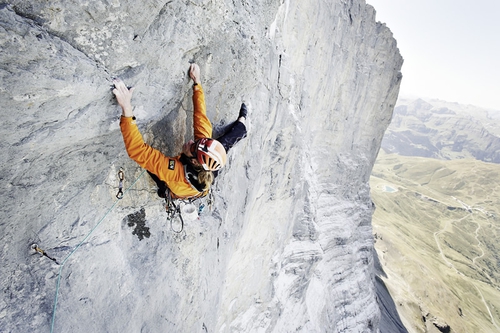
x,y
288,244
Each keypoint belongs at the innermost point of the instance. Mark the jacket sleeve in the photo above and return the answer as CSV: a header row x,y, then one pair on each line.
x,y
146,156
201,124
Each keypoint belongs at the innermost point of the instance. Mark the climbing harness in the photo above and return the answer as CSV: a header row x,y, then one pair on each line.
x,y
43,253
173,207
121,177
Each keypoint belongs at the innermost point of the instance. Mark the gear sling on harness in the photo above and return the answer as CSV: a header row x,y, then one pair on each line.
x,y
173,204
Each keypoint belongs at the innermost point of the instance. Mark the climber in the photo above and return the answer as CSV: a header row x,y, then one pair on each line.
x,y
191,173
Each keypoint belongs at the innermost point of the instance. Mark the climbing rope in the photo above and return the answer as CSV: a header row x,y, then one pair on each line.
x,y
84,239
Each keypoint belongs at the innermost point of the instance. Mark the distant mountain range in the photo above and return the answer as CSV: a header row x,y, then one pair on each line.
x,y
443,130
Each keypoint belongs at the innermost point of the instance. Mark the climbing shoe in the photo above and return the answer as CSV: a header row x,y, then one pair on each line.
x,y
243,111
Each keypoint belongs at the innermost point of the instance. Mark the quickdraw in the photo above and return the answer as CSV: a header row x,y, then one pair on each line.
x,y
42,252
121,177
173,207
173,210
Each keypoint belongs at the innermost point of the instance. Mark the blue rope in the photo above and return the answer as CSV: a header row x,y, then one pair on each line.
x,y
77,247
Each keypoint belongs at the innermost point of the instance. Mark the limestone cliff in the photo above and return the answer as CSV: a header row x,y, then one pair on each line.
x,y
288,246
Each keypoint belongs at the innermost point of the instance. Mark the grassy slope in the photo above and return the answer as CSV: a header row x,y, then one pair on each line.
x,y
437,239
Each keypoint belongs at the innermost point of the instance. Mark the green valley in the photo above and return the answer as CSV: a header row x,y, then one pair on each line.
x,y
437,227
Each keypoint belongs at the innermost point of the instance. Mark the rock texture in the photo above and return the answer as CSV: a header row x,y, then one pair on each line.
x,y
288,246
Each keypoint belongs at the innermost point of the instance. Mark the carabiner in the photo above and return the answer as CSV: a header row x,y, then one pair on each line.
x,y
121,177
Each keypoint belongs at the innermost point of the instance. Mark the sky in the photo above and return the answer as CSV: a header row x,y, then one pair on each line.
x,y
451,49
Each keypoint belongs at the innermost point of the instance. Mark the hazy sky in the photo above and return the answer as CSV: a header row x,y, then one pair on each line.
x,y
451,48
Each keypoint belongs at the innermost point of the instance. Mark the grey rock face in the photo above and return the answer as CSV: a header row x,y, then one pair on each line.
x,y
288,246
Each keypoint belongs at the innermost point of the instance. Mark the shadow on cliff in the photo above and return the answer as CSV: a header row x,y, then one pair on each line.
x,y
390,322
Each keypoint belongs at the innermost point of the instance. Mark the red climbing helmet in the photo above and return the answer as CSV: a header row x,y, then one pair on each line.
x,y
210,153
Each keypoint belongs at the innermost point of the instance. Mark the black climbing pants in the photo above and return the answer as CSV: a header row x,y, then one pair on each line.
x,y
235,133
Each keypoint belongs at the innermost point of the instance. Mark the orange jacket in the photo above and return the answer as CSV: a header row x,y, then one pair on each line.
x,y
168,169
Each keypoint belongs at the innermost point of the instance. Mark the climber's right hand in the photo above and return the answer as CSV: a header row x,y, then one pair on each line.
x,y
123,97
194,73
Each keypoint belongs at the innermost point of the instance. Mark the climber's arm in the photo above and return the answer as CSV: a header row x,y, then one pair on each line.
x,y
201,124
146,156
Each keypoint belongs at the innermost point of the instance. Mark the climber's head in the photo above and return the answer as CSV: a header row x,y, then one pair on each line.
x,y
209,153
